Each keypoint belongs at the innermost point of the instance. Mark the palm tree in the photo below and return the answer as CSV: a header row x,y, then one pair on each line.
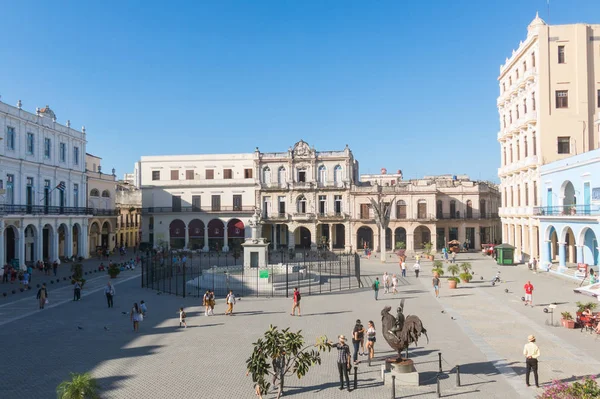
x,y
80,386
382,211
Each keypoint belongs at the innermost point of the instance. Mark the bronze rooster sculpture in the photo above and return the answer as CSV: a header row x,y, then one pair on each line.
x,y
400,332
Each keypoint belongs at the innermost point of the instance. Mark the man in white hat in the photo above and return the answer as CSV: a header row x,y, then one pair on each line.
x,y
343,361
531,353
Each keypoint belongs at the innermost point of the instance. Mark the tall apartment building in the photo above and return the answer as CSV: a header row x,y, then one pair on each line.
x,y
102,192
43,213
548,103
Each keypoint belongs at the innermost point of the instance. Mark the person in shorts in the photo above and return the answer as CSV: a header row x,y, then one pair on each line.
x,y
296,304
528,293
436,285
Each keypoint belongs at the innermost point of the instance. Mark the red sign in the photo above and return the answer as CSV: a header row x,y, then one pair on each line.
x,y
582,267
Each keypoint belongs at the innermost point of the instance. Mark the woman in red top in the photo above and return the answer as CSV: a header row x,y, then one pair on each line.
x,y
296,302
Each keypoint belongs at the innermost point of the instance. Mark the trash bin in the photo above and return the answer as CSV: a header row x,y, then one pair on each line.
x,y
505,254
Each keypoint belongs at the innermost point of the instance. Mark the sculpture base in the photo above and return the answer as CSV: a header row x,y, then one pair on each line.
x,y
403,369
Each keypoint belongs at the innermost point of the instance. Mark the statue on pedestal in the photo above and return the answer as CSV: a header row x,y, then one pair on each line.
x,y
400,331
254,224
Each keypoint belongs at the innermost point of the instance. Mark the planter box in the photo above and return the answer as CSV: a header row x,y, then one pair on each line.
x,y
568,323
452,284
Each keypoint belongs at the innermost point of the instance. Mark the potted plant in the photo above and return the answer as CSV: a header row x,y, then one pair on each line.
x,y
454,270
438,267
80,386
466,275
427,246
400,248
581,306
114,271
567,320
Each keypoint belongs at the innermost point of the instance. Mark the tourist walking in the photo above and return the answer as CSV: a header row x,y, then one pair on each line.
x,y
77,291
417,269
436,284
136,316
182,317
357,337
376,286
403,267
371,338
109,291
386,283
211,303
42,296
5,273
30,271
25,280
394,284
296,305
528,293
230,299
55,268
143,308
206,302
531,353
343,361
453,257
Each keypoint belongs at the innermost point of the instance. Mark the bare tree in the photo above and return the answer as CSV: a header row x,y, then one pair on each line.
x,y
382,212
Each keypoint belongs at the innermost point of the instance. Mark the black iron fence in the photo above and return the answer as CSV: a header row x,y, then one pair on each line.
x,y
192,273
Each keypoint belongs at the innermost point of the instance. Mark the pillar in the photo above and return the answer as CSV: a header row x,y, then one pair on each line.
x,y
21,247
348,247
533,244
562,254
226,238
111,241
547,255
274,236
580,254
84,247
54,244
382,234
39,244
69,241
433,236
477,244
410,242
2,245
291,239
331,238
186,237
205,249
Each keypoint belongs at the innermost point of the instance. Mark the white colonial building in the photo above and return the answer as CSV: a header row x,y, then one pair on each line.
x,y
43,212
197,201
102,192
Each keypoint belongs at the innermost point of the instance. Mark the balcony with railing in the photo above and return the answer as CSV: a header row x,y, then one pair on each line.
x,y
197,209
277,216
466,215
54,210
567,211
303,216
331,215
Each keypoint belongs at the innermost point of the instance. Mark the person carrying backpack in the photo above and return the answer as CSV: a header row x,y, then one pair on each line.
x,y
375,287
296,305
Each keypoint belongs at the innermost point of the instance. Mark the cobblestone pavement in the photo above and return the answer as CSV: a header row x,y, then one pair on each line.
x,y
481,328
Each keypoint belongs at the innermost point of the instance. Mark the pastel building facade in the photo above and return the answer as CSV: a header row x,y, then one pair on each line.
x,y
569,214
548,103
43,210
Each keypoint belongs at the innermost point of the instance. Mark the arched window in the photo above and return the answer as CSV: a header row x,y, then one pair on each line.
x,y
400,209
337,174
105,194
266,175
94,193
322,174
281,177
302,204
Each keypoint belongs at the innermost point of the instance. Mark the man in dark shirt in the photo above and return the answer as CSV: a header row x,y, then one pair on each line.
x,y
436,285
343,361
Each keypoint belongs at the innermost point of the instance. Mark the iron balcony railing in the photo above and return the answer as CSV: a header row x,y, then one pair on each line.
x,y
54,210
466,215
567,210
331,215
196,209
275,216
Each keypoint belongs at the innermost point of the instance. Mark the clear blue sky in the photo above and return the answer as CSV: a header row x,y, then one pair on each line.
x,y
407,85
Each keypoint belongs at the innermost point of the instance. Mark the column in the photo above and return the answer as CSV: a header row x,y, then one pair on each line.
x,y
84,248
477,243
2,244
348,238
313,237
39,245
186,237
226,238
533,244
579,254
54,243
69,242
382,248
331,238
410,242
274,236
205,249
562,255
291,239
21,247
547,255
433,240
111,241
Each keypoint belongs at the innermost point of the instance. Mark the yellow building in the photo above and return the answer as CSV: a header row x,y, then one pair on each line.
x,y
549,97
129,215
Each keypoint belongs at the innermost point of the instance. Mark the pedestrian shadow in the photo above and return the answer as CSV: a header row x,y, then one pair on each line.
x,y
255,312
396,298
326,313
291,390
457,295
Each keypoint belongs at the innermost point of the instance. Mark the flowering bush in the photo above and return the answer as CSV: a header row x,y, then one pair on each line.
x,y
586,389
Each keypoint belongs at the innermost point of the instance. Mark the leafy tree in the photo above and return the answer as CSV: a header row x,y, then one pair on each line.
x,y
80,386
280,353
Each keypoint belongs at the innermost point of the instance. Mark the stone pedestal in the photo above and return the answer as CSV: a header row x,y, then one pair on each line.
x,y
405,372
256,253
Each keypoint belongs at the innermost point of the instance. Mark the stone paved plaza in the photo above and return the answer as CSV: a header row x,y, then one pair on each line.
x,y
482,329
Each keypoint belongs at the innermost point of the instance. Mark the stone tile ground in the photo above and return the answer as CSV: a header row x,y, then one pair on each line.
x,y
482,329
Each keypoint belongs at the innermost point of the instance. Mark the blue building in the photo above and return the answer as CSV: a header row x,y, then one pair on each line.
x,y
570,212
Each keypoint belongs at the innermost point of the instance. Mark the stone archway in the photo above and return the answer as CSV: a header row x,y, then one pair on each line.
x,y
421,236
77,242
400,237
364,238
63,239
589,247
105,237
303,238
31,243
196,234
177,234
94,237
47,240
216,235
568,238
235,234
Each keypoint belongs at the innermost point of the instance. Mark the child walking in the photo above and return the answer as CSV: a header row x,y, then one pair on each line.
x,y
143,308
182,317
